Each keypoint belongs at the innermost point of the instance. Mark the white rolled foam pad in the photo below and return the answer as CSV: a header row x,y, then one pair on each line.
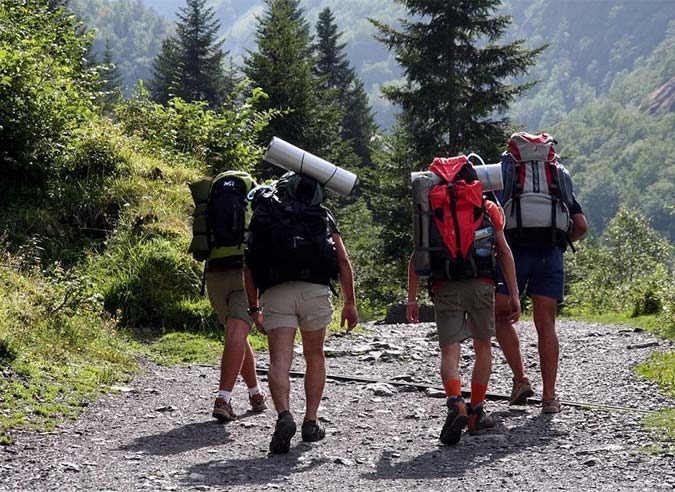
x,y
490,176
289,157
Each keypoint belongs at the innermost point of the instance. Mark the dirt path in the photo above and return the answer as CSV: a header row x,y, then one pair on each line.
x,y
159,435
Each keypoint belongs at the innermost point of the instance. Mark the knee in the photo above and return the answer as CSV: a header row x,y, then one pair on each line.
x,y
482,346
314,356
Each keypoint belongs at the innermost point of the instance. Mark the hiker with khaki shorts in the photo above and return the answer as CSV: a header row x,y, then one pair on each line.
x,y
294,252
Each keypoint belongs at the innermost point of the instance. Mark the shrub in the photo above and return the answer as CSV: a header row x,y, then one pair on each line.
x,y
145,282
45,87
222,140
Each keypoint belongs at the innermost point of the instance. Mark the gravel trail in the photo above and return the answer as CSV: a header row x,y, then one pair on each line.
x,y
157,434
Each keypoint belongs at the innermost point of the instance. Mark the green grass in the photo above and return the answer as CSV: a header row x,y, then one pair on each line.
x,y
661,368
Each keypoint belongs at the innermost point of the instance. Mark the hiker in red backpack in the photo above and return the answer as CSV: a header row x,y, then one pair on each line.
x,y
543,217
465,238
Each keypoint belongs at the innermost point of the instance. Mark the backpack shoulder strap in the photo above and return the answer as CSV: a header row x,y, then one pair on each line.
x,y
508,175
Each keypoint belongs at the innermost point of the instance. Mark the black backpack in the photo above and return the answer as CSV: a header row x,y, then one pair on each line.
x,y
219,219
290,236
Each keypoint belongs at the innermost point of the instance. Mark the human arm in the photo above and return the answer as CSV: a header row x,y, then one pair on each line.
x,y
579,227
508,267
412,309
350,315
252,297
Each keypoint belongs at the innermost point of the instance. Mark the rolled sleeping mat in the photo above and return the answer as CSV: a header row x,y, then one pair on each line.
x,y
422,183
292,158
490,176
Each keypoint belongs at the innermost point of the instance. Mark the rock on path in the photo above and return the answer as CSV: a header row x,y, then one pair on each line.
x,y
157,434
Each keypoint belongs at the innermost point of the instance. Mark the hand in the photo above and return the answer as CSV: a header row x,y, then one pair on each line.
x,y
350,316
514,303
412,312
257,318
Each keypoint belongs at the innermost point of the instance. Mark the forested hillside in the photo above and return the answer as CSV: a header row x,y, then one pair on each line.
x,y
133,32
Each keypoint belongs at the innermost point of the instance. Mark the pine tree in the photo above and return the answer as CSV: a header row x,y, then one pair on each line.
x,y
166,70
190,65
282,67
341,84
110,77
458,76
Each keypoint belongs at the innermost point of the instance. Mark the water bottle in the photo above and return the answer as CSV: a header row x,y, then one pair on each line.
x,y
484,240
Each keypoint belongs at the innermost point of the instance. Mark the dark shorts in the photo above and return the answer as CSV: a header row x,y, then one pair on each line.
x,y
540,272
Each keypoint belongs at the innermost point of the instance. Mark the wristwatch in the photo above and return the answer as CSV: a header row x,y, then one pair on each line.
x,y
254,309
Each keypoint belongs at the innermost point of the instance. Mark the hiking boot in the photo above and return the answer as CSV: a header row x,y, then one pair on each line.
x,y
223,411
455,421
312,431
283,432
522,390
479,421
257,402
550,406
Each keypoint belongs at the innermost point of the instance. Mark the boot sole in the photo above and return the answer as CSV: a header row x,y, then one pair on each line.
x,y
281,439
451,434
522,398
222,419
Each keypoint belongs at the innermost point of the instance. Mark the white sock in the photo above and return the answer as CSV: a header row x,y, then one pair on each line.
x,y
254,391
225,395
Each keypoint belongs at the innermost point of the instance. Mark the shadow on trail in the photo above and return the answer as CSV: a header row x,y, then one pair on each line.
x,y
472,452
252,471
181,439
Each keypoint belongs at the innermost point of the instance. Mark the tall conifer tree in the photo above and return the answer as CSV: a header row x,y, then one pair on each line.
x,y
190,65
282,67
458,76
110,77
343,87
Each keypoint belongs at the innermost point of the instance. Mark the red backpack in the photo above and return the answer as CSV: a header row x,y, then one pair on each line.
x,y
537,191
458,211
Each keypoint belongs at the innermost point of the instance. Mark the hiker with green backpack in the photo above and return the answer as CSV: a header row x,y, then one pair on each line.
x,y
220,223
295,253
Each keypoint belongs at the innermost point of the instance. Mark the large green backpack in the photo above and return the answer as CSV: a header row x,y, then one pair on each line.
x,y
221,216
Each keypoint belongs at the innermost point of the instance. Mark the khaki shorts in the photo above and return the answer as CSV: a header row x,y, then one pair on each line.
x,y
464,308
227,296
297,304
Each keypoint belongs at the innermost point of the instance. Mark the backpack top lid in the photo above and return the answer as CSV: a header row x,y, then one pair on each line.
x,y
448,168
302,188
527,147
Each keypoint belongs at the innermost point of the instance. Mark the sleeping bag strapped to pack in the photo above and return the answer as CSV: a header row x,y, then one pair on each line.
x,y
221,216
290,235
458,212
537,192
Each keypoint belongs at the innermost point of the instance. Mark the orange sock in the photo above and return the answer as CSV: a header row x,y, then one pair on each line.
x,y
453,387
478,392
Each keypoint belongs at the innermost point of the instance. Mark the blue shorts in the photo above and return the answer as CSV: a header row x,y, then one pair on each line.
x,y
539,271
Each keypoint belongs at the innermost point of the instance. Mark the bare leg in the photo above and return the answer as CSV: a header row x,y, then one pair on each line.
x,y
450,361
233,353
315,377
281,356
545,309
508,337
482,367
248,367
